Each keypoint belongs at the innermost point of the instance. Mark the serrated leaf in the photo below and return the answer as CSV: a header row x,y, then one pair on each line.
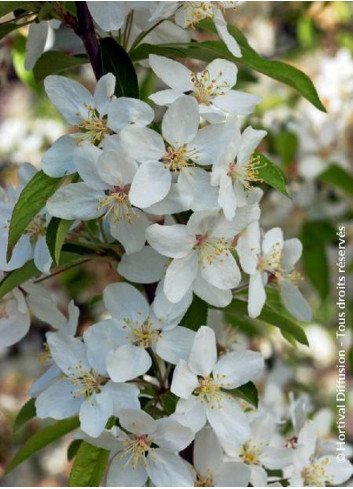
x,y
210,50
42,439
30,202
196,315
338,177
89,466
27,412
52,62
248,392
271,174
56,233
271,317
18,277
116,60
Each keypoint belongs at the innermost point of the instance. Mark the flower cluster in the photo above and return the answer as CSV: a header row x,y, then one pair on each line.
x,y
174,202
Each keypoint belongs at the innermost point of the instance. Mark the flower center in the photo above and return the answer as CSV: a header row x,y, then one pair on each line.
x,y
94,127
204,480
36,228
145,335
117,202
209,390
87,382
207,88
315,474
271,263
250,454
211,248
247,173
136,449
45,355
175,159
195,12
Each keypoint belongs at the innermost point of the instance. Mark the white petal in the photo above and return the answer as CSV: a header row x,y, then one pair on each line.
x,y
42,256
258,476
337,472
181,121
229,422
104,92
69,97
150,185
249,141
175,201
129,112
124,396
172,73
212,295
58,159
190,413
277,458
294,301
36,41
166,469
238,368
248,247
58,401
222,272
68,353
208,453
227,199
196,185
95,412
121,474
180,276
142,144
172,435
221,26
115,167
131,234
291,252
165,97
233,474
76,201
210,143
50,376
273,237
168,312
203,355
125,303
108,16
257,295
175,345
147,266
14,327
127,363
173,241
86,162
224,72
137,421
184,381
239,103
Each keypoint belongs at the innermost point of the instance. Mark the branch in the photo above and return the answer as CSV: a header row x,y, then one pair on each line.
x,y
85,30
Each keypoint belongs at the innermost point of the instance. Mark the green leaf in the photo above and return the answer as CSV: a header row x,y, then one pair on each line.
x,y
286,145
169,402
196,315
31,201
55,237
41,439
27,412
116,60
52,62
338,177
209,50
18,277
73,449
248,392
271,174
6,29
8,7
18,59
89,466
272,317
315,235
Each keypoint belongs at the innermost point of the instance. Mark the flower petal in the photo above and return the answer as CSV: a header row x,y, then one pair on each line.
x,y
175,344
125,303
203,355
181,121
184,381
150,185
173,241
127,363
172,73
146,266
180,276
129,112
166,469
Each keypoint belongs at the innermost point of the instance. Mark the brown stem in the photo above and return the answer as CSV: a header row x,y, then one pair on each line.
x,y
85,30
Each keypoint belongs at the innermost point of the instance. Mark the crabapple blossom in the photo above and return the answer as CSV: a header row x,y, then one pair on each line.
x,y
202,383
201,252
270,258
212,88
95,117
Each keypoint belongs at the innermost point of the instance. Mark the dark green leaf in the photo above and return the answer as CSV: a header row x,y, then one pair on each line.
x,y
272,317
27,412
286,145
55,237
271,174
30,202
6,29
169,402
41,439
248,392
209,50
8,7
73,449
196,315
338,177
56,62
116,60
89,466
18,277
